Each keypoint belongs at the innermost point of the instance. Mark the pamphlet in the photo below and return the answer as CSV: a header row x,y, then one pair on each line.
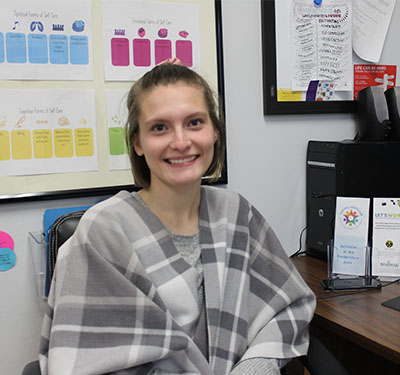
x,y
386,237
351,236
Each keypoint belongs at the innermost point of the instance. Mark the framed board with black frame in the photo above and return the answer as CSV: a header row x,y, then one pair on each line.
x,y
290,37
64,78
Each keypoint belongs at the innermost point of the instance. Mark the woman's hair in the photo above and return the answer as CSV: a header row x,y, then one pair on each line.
x,y
162,75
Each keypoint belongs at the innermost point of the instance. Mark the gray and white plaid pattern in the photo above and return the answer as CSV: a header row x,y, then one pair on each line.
x,y
123,300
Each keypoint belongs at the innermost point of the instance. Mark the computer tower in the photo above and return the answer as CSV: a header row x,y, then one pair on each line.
x,y
321,196
346,169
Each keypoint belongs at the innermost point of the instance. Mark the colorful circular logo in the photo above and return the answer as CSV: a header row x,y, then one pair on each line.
x,y
350,217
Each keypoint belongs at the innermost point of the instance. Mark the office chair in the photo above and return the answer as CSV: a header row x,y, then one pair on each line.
x,y
319,360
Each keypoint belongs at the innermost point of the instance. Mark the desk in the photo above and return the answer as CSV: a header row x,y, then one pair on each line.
x,y
355,327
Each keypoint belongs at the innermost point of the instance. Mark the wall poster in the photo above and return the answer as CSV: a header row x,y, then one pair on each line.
x,y
65,70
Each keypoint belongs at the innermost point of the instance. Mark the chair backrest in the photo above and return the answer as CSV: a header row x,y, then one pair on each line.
x,y
62,229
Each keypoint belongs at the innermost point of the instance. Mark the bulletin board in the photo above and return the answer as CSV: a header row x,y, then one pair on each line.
x,y
65,70
294,41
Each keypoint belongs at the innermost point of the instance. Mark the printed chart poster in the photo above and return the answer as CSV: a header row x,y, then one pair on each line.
x,y
322,44
140,34
45,40
117,114
47,131
373,75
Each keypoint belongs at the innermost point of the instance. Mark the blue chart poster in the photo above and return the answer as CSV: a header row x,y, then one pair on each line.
x,y
45,40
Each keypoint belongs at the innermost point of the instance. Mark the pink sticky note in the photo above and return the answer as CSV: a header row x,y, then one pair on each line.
x,y
184,52
120,51
141,52
6,240
162,49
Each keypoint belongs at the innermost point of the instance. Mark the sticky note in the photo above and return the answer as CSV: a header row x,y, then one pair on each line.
x,y
58,47
2,54
141,52
288,95
16,48
117,140
6,240
7,259
162,50
120,51
37,49
184,52
21,144
79,49
42,144
84,142
5,153
63,143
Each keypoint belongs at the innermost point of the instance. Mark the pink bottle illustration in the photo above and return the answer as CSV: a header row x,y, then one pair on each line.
x,y
141,49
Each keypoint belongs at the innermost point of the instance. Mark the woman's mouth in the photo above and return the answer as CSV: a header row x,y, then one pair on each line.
x,y
182,160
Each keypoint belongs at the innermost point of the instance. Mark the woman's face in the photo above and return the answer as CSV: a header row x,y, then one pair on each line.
x,y
176,135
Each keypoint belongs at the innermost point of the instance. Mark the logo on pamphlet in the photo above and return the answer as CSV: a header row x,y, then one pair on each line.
x,y
389,244
351,217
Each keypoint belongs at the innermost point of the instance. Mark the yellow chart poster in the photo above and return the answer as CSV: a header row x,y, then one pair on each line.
x,y
47,131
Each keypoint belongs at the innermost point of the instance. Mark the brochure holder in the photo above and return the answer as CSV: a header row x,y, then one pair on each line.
x,y
38,249
337,282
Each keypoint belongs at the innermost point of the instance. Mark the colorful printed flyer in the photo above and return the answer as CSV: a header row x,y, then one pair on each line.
x,y
47,131
386,237
117,115
140,34
373,75
46,40
351,235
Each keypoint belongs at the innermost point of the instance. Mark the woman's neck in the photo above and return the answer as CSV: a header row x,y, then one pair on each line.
x,y
178,209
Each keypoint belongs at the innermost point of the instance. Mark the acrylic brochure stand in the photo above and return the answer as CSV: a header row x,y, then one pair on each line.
x,y
37,247
336,281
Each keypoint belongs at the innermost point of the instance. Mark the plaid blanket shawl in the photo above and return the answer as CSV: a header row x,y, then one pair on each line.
x,y
122,299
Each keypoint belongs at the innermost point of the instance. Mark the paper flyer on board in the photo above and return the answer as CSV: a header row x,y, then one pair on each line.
x,y
46,40
47,131
371,21
386,237
321,44
351,235
140,34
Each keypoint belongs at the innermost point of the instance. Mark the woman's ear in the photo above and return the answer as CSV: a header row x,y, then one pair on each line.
x,y
216,135
136,144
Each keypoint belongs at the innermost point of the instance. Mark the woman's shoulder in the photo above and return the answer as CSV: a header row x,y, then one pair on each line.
x,y
114,206
222,194
221,202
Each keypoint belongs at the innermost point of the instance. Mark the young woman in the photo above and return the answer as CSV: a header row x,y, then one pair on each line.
x,y
178,278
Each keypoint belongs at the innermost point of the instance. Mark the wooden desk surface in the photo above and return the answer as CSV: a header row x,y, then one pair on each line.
x,y
359,318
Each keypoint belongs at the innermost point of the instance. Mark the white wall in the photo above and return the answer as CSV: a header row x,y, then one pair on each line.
x,y
266,163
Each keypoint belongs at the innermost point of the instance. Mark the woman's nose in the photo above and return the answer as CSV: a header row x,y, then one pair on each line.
x,y
181,141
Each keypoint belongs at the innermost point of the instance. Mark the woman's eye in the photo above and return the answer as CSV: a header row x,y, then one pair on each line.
x,y
195,122
158,128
